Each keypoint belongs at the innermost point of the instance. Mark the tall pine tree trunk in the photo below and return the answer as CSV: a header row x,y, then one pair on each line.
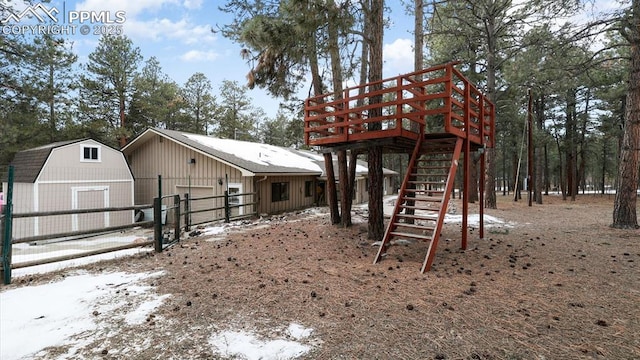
x,y
582,179
625,205
374,158
336,75
539,149
318,89
332,196
571,146
418,64
490,177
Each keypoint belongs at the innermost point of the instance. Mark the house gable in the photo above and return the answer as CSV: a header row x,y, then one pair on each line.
x,y
85,160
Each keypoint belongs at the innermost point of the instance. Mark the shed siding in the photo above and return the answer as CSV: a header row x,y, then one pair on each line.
x,y
23,203
297,198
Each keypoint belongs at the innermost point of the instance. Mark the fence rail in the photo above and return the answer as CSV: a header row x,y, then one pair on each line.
x,y
171,218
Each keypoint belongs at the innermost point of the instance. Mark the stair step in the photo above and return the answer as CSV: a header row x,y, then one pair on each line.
x,y
432,167
411,236
431,175
424,198
422,191
414,226
421,182
419,217
419,208
433,161
430,179
435,196
432,192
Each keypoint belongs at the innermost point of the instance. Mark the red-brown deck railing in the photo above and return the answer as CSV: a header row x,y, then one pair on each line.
x,y
440,99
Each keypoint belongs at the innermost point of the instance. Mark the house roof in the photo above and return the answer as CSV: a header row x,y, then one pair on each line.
x,y
250,158
27,164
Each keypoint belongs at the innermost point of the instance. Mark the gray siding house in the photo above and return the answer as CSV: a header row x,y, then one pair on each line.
x,y
69,175
283,179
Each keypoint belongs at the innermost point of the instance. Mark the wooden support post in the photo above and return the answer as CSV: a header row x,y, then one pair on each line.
x,y
176,228
187,216
227,211
467,165
157,224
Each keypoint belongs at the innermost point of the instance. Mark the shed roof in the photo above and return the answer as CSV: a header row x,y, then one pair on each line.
x,y
27,164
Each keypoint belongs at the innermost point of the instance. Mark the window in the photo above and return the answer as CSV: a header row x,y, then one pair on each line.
x,y
90,153
279,191
308,188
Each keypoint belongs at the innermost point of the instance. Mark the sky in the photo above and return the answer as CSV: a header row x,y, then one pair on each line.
x,y
178,33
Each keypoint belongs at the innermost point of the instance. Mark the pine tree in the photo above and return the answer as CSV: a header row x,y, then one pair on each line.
x,y
156,101
200,104
107,87
235,117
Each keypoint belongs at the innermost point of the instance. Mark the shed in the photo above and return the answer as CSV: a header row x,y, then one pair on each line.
x,y
70,175
283,179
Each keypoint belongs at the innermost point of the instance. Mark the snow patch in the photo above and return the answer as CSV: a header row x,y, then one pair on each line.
x,y
248,346
36,317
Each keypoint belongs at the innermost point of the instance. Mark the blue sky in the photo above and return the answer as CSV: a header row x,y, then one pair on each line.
x,y
177,33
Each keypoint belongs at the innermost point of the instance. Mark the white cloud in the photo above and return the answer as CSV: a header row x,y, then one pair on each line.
x,y
142,24
132,8
161,29
192,4
197,55
398,56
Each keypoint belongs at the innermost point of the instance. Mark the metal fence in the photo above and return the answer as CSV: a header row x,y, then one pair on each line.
x,y
161,224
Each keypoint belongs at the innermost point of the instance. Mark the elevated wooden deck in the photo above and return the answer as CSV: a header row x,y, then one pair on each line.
x,y
437,102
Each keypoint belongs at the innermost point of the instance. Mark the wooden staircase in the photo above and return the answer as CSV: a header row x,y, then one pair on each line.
x,y
424,195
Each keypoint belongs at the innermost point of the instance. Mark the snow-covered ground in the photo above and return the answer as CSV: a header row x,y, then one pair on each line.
x,y
63,312
79,309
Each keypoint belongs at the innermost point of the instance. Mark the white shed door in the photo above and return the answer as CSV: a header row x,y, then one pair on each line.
x,y
89,197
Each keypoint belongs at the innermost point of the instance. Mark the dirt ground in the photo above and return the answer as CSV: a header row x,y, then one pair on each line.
x,y
552,282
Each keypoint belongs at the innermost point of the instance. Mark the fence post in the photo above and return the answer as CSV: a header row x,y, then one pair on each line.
x,y
176,229
157,223
227,211
187,217
7,233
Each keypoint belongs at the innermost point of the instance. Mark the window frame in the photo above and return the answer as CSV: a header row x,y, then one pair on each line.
x,y
98,153
280,191
308,188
